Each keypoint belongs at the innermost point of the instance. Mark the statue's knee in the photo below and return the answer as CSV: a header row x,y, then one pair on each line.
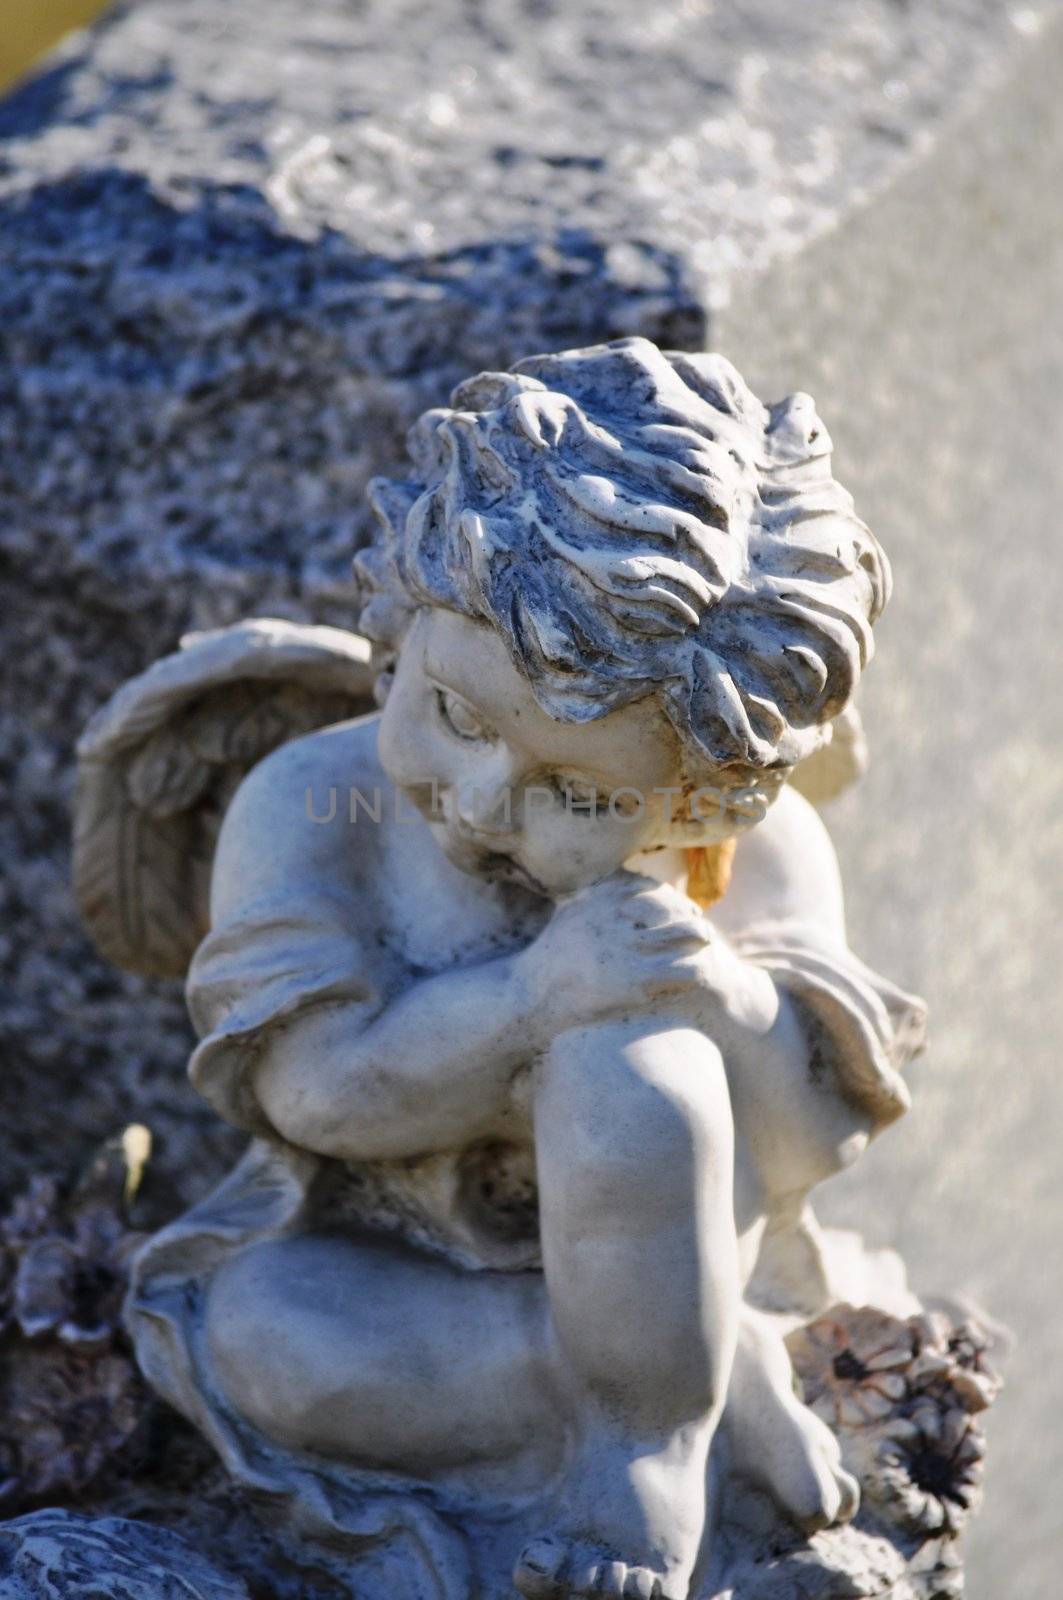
x,y
599,1076
240,1326
622,1105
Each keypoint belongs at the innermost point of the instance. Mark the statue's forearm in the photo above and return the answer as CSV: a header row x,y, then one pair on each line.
x,y
432,1070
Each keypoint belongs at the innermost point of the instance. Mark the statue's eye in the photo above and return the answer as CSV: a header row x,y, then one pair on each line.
x,y
459,716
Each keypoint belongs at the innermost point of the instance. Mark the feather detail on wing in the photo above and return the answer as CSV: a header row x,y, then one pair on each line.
x,y
160,761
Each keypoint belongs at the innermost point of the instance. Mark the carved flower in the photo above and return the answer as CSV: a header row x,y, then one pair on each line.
x,y
66,1261
70,1394
70,1284
852,1364
924,1471
902,1396
954,1356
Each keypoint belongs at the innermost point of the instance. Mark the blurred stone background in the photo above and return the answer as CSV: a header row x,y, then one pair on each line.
x,y
241,246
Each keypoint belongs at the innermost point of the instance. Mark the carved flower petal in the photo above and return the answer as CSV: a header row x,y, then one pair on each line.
x,y
873,1404
851,1410
933,1328
41,1288
929,1364
827,1406
827,1336
972,1449
890,1384
954,1427
897,1355
900,1430
927,1418
976,1390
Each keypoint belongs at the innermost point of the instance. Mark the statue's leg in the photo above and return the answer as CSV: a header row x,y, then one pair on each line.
x,y
776,1441
368,1351
634,1145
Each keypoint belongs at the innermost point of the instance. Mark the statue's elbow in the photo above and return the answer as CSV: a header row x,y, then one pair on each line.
x,y
342,1114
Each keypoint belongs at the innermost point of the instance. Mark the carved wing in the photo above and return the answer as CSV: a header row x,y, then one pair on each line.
x,y
837,765
160,761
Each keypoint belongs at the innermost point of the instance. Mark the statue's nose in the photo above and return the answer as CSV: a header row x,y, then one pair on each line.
x,y
487,808
486,804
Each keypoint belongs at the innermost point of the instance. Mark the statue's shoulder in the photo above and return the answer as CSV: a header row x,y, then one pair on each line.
x,y
785,869
293,810
340,757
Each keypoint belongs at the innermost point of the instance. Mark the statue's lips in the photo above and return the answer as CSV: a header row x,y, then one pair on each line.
x,y
503,866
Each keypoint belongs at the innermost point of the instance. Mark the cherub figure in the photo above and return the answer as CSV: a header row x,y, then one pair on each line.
x,y
523,1113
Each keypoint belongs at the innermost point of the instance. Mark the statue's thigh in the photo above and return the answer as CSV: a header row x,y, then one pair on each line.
x,y
377,1354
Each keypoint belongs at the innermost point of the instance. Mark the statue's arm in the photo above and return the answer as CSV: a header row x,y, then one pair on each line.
x,y
785,870
433,1069
310,1023
844,1033
435,1066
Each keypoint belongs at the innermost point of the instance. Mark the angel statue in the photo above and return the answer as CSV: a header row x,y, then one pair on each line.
x,y
531,988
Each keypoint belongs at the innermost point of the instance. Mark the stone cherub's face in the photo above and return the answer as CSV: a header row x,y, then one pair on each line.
x,y
618,517
507,790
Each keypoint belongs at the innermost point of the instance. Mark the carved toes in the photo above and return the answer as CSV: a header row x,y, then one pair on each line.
x,y
545,1571
817,1491
538,1569
641,1584
850,1495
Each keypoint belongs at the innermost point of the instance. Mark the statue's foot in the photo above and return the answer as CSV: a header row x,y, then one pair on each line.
x,y
553,1569
786,1449
802,1468
628,1526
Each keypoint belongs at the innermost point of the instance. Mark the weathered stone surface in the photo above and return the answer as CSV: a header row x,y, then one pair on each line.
x,y
242,248
59,1555
214,325
55,1555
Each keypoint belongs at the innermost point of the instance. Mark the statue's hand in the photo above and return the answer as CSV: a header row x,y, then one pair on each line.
x,y
626,944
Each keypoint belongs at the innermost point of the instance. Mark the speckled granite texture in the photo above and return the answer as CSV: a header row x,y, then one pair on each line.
x,y
242,245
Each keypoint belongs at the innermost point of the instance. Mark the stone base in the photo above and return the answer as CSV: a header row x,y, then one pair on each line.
x,y
55,1555
59,1555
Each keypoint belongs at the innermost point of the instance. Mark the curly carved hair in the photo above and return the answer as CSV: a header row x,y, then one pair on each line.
x,y
635,521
